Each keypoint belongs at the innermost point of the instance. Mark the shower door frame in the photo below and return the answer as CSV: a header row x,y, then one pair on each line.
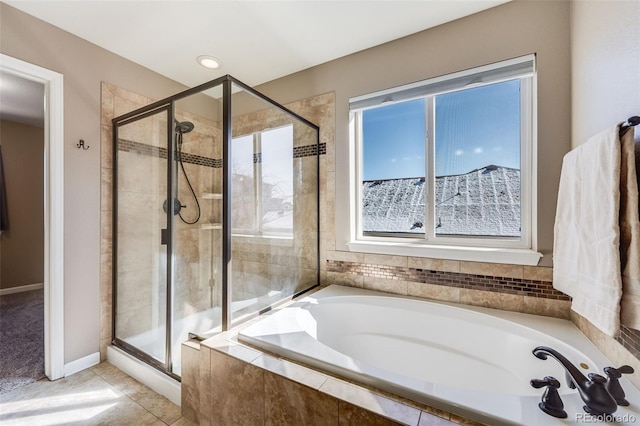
x,y
168,104
168,109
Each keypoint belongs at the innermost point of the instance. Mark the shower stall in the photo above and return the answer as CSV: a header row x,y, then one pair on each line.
x,y
216,216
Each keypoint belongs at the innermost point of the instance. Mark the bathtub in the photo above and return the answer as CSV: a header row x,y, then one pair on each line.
x,y
474,362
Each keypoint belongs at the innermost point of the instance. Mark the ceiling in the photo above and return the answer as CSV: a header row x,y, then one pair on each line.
x,y
21,100
256,41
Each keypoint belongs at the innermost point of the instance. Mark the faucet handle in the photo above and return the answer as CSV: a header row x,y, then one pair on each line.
x,y
547,381
613,385
618,372
551,402
597,378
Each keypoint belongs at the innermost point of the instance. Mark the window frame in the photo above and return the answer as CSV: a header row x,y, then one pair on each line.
x,y
258,178
520,250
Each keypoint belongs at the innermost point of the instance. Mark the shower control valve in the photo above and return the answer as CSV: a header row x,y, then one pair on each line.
x,y
551,402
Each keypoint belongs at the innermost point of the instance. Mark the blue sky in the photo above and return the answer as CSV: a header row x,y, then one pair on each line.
x,y
474,128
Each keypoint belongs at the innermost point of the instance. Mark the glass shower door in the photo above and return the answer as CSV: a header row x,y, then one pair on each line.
x,y
197,231
274,198
141,225
215,203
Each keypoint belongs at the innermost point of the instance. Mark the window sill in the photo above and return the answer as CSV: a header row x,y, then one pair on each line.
x,y
473,254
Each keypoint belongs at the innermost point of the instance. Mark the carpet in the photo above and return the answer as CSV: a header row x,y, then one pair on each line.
x,y
21,339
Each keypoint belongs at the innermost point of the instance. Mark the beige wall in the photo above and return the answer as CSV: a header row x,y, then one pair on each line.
x,y
84,66
605,57
22,246
507,31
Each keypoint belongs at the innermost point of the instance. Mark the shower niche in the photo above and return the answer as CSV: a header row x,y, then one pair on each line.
x,y
216,216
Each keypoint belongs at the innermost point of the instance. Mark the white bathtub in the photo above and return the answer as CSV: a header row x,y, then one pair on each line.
x,y
475,362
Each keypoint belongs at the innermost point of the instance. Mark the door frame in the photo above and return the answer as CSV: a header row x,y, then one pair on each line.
x,y
53,207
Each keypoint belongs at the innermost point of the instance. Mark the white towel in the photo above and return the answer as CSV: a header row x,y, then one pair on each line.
x,y
630,233
586,249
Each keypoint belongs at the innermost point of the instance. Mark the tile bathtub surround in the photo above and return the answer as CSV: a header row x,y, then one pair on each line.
x,y
243,385
510,285
630,340
624,349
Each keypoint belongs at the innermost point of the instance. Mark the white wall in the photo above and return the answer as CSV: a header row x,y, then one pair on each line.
x,y
605,62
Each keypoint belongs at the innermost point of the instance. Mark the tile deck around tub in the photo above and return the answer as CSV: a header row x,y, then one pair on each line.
x,y
289,389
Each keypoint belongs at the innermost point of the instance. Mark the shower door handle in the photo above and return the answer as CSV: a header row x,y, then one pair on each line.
x,y
164,237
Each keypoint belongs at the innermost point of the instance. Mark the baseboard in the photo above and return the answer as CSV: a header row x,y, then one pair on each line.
x,y
81,364
21,288
147,375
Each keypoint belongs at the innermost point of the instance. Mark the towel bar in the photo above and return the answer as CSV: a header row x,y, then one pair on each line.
x,y
631,121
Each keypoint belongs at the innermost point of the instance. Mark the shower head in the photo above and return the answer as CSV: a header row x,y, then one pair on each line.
x,y
184,127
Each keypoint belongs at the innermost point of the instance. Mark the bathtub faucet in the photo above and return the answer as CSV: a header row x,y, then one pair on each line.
x,y
592,390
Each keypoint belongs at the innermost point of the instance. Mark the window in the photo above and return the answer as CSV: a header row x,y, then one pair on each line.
x,y
262,171
448,161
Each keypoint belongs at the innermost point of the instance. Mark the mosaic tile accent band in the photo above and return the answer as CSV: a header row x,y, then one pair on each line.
x,y
156,151
309,150
630,340
517,286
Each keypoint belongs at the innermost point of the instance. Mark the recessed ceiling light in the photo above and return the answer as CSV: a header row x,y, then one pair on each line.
x,y
208,61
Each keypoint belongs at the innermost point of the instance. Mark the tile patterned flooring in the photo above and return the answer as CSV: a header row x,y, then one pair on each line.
x,y
101,395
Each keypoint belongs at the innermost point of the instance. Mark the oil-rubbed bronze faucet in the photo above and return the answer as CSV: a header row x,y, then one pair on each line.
x,y
592,390
613,386
551,402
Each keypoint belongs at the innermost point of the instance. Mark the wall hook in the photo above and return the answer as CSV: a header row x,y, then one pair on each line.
x,y
81,145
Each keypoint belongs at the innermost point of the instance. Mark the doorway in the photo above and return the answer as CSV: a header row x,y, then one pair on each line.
x,y
21,232
53,207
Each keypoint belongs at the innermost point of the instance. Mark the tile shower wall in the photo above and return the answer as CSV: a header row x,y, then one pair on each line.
x,y
260,270
142,157
142,184
194,251
114,102
270,269
197,252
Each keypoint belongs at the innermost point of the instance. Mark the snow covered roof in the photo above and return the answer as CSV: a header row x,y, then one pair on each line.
x,y
483,202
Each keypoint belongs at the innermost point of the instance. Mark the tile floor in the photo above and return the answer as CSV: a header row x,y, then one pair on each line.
x,y
101,395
